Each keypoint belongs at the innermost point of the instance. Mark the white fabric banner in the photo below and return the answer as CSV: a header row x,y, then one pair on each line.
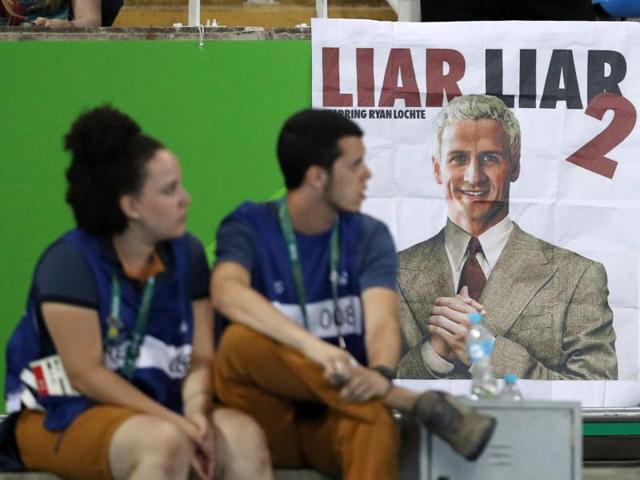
x,y
574,88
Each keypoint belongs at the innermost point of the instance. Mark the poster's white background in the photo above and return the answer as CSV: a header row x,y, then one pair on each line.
x,y
553,199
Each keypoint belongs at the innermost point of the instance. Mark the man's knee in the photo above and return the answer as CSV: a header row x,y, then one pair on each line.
x,y
241,444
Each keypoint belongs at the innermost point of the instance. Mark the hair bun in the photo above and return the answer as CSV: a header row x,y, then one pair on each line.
x,y
100,136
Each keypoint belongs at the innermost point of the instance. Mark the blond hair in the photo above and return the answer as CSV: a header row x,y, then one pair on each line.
x,y
479,107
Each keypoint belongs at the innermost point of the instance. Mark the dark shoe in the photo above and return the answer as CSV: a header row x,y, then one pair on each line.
x,y
464,428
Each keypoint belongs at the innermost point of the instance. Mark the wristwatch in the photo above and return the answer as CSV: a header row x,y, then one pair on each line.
x,y
385,371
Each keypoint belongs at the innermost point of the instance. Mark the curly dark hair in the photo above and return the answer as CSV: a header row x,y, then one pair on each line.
x,y
108,156
310,138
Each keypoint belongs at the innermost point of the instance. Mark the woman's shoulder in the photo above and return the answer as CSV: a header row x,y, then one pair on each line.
x,y
64,274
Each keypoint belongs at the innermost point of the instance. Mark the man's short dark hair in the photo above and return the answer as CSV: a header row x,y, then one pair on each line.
x,y
310,138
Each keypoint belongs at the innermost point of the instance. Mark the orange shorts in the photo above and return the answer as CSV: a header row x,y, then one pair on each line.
x,y
79,452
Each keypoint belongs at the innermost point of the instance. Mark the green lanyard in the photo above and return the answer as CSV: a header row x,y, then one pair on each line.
x,y
115,324
296,267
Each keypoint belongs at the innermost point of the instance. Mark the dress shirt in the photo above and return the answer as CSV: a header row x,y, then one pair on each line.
x,y
456,241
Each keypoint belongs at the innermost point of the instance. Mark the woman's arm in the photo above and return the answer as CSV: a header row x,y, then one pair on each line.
x,y
86,13
76,334
196,390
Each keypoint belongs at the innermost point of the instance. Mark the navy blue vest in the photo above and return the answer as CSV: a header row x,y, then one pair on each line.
x,y
272,275
165,353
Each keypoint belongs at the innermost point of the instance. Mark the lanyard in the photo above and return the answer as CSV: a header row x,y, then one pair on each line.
x,y
141,323
296,267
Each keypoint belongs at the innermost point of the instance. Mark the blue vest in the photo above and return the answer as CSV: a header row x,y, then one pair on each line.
x,y
165,352
272,275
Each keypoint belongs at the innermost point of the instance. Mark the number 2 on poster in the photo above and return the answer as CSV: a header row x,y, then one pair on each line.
x,y
592,156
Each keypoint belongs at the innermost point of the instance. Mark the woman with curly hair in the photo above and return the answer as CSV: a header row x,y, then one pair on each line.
x,y
109,367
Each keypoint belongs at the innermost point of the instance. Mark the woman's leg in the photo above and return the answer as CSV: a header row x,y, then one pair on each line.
x,y
241,447
145,447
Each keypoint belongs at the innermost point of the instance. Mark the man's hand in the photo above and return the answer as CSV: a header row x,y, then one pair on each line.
x,y
449,324
334,360
364,384
439,344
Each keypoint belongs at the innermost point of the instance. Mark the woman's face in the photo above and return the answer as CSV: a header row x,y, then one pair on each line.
x,y
162,203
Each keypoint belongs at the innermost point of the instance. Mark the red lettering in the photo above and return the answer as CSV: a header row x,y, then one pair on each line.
x,y
331,96
592,155
364,66
400,66
439,84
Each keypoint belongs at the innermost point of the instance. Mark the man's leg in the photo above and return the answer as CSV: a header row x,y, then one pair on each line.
x,y
241,448
249,361
464,428
265,379
358,449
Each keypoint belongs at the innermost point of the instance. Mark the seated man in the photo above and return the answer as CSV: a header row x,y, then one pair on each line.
x,y
309,286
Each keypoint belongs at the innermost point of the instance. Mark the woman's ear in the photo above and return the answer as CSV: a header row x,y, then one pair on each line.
x,y
128,206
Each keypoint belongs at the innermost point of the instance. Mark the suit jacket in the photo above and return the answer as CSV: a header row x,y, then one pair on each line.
x,y
546,306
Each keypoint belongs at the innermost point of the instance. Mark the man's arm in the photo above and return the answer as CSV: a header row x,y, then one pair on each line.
x,y
588,343
382,339
380,306
233,296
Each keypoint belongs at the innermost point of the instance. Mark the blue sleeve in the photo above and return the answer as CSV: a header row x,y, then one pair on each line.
x,y
235,242
377,261
198,269
64,275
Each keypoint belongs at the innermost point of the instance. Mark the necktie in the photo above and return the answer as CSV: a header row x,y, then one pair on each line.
x,y
472,275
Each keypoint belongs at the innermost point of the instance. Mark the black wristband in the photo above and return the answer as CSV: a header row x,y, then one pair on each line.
x,y
386,372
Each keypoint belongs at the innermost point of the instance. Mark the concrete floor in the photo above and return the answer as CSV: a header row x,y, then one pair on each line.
x,y
589,473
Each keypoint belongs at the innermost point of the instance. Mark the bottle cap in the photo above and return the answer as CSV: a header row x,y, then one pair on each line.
x,y
475,317
510,378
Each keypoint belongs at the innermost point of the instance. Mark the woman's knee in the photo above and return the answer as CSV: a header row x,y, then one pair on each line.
x,y
145,441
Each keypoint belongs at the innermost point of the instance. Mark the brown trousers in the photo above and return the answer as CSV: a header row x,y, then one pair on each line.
x,y
268,380
80,452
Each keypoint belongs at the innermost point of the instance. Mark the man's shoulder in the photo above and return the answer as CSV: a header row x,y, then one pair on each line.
x,y
415,255
552,253
365,222
247,210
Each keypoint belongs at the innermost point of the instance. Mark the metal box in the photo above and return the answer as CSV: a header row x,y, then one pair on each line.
x,y
533,440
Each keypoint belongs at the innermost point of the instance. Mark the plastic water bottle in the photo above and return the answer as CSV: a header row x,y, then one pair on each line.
x,y
510,391
479,348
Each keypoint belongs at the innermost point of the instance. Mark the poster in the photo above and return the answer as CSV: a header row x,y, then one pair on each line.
x,y
574,88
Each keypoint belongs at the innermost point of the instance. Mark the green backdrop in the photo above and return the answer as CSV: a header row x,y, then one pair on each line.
x,y
219,108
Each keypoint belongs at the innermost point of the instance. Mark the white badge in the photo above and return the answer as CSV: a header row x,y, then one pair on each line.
x,y
51,378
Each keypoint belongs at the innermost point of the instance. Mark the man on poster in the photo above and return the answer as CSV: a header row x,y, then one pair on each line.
x,y
546,306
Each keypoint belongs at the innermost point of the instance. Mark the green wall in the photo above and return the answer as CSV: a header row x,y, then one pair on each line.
x,y
219,108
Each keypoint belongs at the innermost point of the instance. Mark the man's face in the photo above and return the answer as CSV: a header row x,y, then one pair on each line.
x,y
475,166
347,183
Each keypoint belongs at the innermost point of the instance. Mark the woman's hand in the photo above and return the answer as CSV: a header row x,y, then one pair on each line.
x,y
53,23
202,434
